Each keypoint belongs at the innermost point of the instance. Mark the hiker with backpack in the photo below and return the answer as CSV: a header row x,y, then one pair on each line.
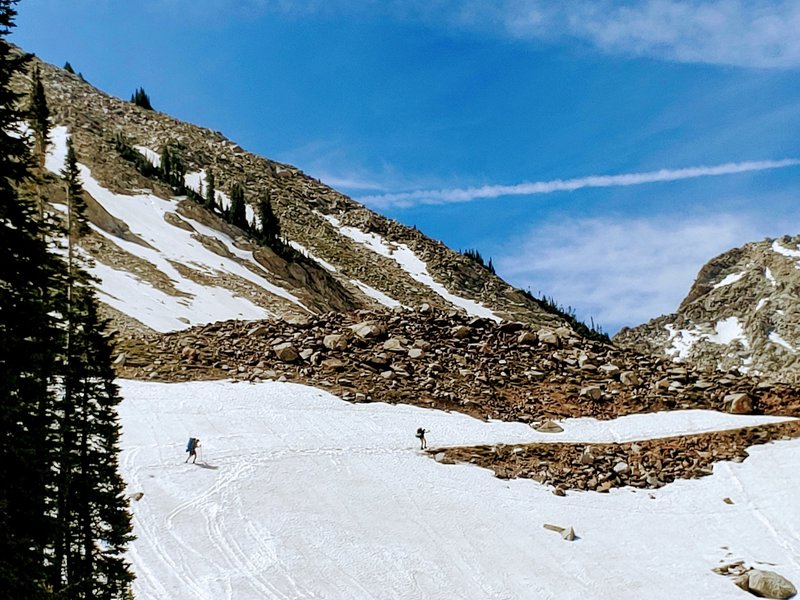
x,y
423,444
191,448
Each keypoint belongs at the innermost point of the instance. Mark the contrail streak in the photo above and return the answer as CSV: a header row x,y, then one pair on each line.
x,y
444,196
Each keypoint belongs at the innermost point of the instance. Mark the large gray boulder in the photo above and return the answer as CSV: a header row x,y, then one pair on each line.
x,y
768,584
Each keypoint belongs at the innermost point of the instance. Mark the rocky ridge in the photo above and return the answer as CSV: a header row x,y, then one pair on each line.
x,y
448,360
336,268
742,312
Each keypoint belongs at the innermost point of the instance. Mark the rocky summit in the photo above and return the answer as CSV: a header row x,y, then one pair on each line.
x,y
741,313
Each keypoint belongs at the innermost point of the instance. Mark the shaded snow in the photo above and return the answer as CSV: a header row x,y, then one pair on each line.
x,y
299,495
729,279
151,155
411,263
761,303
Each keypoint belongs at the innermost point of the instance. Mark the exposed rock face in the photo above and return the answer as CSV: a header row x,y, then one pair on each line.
x,y
742,313
768,584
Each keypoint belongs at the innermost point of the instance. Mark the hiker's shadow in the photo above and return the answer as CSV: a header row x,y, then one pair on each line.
x,y
205,465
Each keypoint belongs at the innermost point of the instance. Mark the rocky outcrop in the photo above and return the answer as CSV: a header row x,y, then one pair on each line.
x,y
742,313
447,360
600,467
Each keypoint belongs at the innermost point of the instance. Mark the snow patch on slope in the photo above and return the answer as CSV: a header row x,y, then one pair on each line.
x,y
729,279
777,339
770,277
195,303
377,294
151,155
411,263
307,253
786,252
726,331
297,494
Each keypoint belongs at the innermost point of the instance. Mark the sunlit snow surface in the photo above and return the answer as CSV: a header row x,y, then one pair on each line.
x,y
144,214
729,279
298,494
411,264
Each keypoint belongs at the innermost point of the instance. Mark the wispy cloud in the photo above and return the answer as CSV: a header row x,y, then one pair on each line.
x,y
745,33
445,196
621,271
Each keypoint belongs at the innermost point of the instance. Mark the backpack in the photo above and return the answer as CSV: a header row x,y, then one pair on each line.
x,y
420,432
192,444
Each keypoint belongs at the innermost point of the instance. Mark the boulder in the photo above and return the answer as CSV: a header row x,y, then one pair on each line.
x,y
460,331
527,338
367,330
335,341
547,337
334,364
592,392
286,352
768,584
415,352
549,427
738,404
393,345
258,330
629,378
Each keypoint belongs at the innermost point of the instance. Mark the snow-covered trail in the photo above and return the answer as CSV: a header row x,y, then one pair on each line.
x,y
300,495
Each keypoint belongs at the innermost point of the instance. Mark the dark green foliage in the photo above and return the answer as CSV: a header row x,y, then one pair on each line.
x,y
92,521
172,169
140,98
68,68
39,117
63,516
593,331
129,153
27,330
237,215
78,225
270,230
476,256
211,191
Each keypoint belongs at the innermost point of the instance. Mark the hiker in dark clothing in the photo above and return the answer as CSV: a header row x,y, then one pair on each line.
x,y
421,435
191,448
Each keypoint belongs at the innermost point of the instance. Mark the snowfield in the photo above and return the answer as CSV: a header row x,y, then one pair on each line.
x,y
297,494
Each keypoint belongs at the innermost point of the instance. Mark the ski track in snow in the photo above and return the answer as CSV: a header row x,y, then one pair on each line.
x,y
298,494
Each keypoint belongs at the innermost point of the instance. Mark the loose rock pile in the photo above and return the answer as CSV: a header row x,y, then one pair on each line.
x,y
448,360
600,467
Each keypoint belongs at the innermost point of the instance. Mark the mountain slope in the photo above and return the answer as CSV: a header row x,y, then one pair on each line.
x,y
166,263
742,312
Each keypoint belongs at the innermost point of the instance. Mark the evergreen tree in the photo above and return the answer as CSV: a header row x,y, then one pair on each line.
x,y
211,191
270,232
68,68
93,525
140,98
238,213
27,330
39,117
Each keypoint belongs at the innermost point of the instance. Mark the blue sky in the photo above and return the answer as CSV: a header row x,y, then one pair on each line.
x,y
437,113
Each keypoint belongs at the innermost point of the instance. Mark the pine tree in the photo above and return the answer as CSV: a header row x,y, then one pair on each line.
x,y
68,68
27,330
39,117
140,98
237,213
93,524
211,192
270,225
